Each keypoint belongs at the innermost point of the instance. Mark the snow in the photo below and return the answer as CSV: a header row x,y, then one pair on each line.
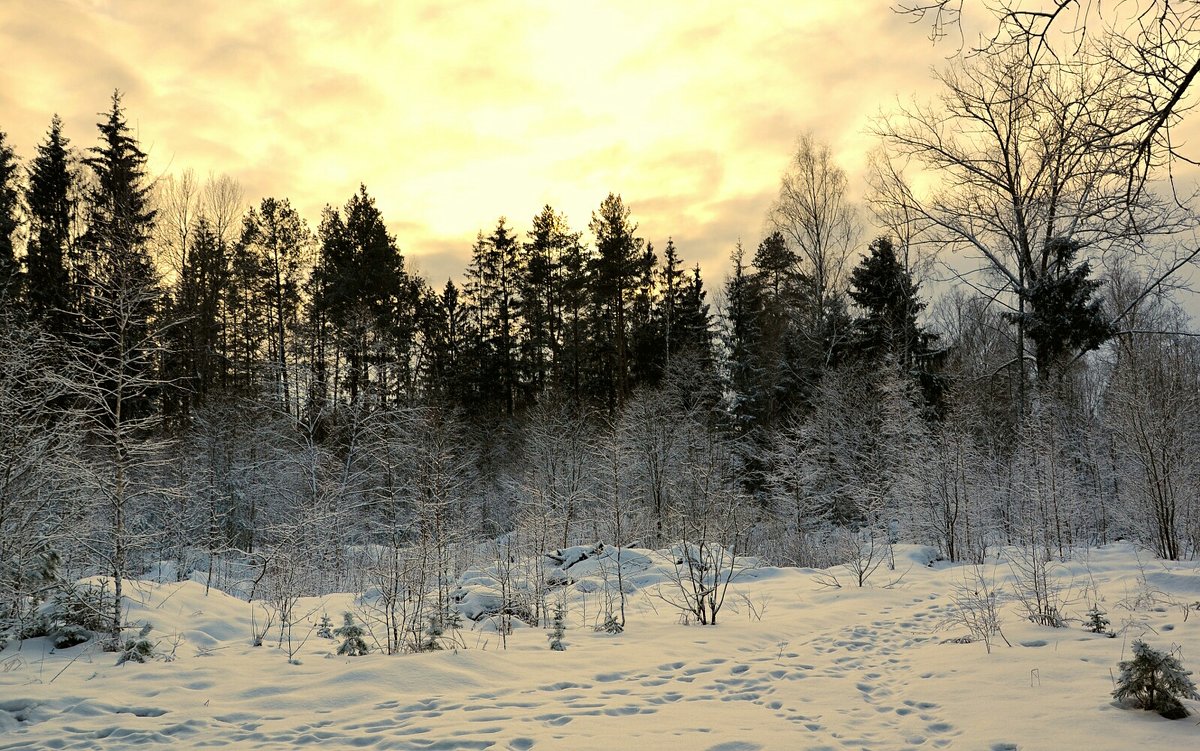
x,y
823,668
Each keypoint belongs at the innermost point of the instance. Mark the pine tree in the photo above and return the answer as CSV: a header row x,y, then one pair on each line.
x,y
362,292
559,628
51,210
280,243
9,222
1155,681
615,269
197,331
351,634
544,293
1063,317
887,330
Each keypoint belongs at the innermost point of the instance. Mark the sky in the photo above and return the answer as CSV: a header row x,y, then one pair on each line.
x,y
456,113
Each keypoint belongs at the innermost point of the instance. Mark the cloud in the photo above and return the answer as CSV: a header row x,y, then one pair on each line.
x,y
456,113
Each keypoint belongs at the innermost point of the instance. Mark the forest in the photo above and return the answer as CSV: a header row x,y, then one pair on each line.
x,y
991,350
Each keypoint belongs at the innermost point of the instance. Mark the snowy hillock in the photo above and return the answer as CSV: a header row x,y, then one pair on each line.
x,y
799,659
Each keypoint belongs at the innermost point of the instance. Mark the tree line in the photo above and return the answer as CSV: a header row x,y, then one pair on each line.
x,y
187,379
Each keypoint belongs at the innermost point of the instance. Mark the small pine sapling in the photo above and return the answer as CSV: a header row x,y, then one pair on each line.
x,y
611,625
1155,681
433,634
1097,623
139,648
558,628
353,644
325,627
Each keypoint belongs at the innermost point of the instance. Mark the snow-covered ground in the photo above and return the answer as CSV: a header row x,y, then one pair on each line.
x,y
823,668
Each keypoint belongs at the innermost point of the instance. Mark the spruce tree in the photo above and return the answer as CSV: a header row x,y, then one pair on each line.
x,y
1155,681
492,292
280,243
1063,317
743,303
9,222
887,329
362,292
578,350
544,292
351,634
51,209
444,330
883,289
615,269
647,342
115,368
197,331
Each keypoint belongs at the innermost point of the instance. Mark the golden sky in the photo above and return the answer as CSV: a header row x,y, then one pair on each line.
x,y
454,114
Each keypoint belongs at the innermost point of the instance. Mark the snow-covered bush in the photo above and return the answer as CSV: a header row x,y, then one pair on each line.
x,y
73,615
976,608
1040,596
139,648
1155,681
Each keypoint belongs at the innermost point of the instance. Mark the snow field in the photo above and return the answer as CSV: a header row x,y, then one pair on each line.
x,y
823,668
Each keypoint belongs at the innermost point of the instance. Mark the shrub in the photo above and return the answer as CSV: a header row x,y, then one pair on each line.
x,y
1155,681
137,649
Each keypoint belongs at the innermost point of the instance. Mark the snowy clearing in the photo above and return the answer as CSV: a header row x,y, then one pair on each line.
x,y
824,668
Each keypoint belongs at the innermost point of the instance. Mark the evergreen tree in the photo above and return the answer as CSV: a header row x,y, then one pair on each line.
x,y
544,292
9,222
883,289
444,331
776,262
363,294
351,634
1155,681
578,351
51,210
1062,317
197,331
279,241
246,327
120,288
492,292
887,330
615,270
743,300
647,342
559,628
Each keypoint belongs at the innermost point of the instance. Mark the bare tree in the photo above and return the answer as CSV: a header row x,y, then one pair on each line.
x,y
709,523
1012,161
814,213
1155,405
112,377
35,507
